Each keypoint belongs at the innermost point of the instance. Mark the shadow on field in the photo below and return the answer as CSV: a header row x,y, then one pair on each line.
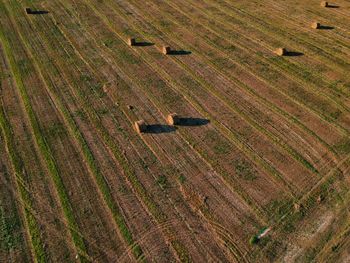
x,y
326,27
192,122
332,6
179,52
143,44
38,12
160,128
294,54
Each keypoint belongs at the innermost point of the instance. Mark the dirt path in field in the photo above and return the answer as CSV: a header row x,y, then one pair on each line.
x,y
297,246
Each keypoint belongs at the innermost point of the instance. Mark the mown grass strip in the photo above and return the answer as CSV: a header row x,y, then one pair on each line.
x,y
196,105
154,209
43,146
322,112
101,181
301,18
180,249
161,106
228,177
18,167
293,152
218,66
304,74
297,156
103,185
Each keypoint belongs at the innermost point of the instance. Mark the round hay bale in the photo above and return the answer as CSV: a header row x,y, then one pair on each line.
x,y
28,10
166,50
131,41
281,51
324,4
140,126
315,25
173,119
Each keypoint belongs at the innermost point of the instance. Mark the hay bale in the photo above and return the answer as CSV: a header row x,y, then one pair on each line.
x,y
29,10
324,4
131,41
140,126
173,119
315,25
281,51
166,50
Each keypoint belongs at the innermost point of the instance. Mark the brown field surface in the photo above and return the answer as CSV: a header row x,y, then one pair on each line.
x,y
256,170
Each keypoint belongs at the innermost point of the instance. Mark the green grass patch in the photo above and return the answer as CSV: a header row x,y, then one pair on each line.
x,y
162,181
17,163
18,73
182,179
245,170
343,146
182,252
9,227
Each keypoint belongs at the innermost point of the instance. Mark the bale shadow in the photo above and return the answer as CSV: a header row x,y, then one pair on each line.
x,y
180,52
143,44
38,12
294,54
326,27
160,128
332,6
192,122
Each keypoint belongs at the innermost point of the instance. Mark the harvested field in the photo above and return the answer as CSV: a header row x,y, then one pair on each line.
x,y
96,166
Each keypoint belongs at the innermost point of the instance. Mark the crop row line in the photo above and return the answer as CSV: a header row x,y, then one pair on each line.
x,y
305,163
281,62
93,166
162,73
46,150
271,30
99,47
192,102
265,80
107,137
